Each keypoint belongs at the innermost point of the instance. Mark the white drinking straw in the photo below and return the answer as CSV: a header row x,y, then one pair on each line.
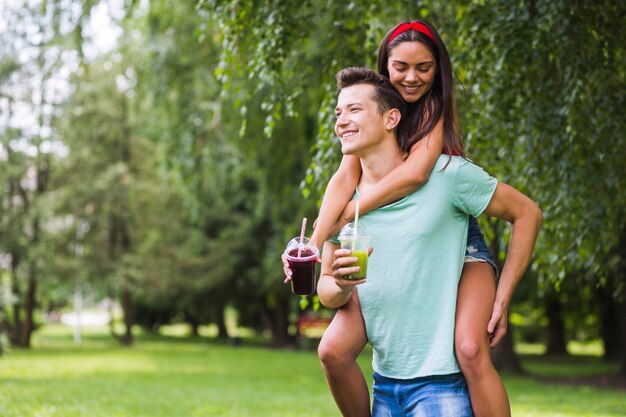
x,y
356,225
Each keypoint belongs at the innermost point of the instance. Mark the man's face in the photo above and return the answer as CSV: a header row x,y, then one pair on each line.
x,y
359,124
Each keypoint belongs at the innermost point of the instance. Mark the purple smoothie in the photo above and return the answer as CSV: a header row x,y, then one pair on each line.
x,y
303,268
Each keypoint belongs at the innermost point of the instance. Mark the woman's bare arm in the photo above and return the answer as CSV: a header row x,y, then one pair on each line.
x,y
338,193
403,180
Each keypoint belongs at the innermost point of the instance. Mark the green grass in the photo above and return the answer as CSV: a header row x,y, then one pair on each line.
x,y
179,377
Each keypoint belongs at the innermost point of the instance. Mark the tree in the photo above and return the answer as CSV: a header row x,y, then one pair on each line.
x,y
30,62
114,185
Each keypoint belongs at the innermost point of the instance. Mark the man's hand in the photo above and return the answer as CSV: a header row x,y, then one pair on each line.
x,y
332,288
497,325
341,268
525,217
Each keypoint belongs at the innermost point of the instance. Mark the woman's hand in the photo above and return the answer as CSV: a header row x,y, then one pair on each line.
x,y
287,270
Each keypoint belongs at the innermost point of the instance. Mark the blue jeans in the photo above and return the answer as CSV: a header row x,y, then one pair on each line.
x,y
431,396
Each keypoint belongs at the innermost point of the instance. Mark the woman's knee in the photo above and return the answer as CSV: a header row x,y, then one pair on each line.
x,y
472,355
333,354
468,350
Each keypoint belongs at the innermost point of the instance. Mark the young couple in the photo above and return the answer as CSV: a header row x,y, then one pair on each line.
x,y
429,306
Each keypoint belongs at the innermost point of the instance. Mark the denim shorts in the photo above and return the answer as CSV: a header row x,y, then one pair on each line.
x,y
440,395
477,250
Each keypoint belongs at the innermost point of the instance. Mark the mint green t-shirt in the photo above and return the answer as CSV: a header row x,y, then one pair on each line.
x,y
409,299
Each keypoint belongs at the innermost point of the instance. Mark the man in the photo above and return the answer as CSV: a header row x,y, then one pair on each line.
x,y
408,300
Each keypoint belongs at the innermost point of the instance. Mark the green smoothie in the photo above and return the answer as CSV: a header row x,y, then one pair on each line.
x,y
361,262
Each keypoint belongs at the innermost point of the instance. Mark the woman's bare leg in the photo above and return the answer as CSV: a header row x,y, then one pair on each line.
x,y
338,350
477,290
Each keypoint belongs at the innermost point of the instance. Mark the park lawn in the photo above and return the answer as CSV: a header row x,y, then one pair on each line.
x,y
179,377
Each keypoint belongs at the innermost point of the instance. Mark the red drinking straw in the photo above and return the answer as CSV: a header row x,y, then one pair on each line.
x,y
301,236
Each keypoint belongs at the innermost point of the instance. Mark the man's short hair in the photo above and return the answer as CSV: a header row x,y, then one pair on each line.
x,y
385,95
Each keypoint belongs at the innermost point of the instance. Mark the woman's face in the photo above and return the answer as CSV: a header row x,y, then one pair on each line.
x,y
411,69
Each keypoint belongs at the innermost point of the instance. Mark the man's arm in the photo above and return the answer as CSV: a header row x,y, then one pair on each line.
x,y
525,217
334,291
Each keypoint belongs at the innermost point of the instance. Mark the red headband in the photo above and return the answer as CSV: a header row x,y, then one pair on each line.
x,y
420,27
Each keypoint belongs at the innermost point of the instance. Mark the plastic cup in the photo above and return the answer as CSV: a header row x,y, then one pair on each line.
x,y
357,240
303,267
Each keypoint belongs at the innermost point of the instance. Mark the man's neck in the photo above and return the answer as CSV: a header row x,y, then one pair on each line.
x,y
379,162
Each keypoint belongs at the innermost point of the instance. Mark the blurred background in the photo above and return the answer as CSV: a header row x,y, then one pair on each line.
x,y
157,155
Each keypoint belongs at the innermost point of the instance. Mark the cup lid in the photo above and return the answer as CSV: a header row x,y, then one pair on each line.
x,y
295,243
351,232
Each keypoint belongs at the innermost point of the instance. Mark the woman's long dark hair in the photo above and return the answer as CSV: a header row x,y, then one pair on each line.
x,y
437,103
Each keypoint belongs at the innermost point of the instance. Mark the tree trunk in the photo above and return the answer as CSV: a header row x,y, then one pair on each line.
x,y
280,327
195,327
29,309
556,327
609,323
30,301
15,327
622,316
621,278
126,300
504,356
222,330
4,330
120,243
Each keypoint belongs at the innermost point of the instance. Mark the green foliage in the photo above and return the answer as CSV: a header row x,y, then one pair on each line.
x,y
288,52
544,113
